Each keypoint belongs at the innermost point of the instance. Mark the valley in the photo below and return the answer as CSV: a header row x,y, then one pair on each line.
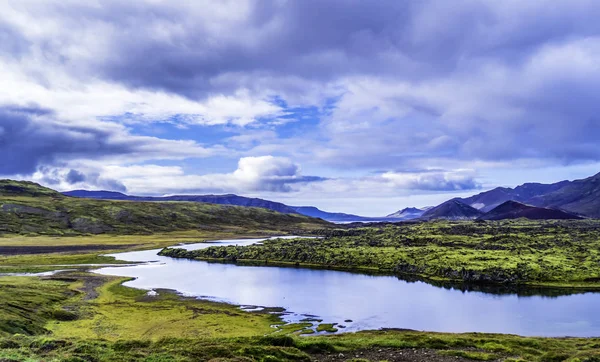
x,y
69,291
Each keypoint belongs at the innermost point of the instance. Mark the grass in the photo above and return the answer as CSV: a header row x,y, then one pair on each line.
x,y
56,320
28,303
548,253
124,313
33,263
77,316
327,327
291,348
29,209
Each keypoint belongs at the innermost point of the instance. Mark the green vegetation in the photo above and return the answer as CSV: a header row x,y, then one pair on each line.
x,y
86,317
28,303
79,316
27,208
327,327
46,253
558,253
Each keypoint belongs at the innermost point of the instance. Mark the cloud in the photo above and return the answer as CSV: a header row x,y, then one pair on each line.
x,y
68,179
30,137
74,176
433,180
395,85
253,174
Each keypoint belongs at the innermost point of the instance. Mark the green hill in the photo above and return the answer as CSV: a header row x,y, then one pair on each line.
x,y
25,188
28,208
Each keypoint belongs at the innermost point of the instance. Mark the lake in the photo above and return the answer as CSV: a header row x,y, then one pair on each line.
x,y
371,302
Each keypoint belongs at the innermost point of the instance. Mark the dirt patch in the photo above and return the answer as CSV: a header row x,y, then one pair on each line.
x,y
28,250
90,283
388,354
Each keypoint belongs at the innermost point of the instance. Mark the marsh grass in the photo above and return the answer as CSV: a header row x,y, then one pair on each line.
x,y
552,253
125,324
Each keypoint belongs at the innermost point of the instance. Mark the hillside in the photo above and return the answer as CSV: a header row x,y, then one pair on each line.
x,y
579,196
452,210
28,208
25,188
228,199
516,210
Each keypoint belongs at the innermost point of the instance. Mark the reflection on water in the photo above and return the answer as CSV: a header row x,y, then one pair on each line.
x,y
371,302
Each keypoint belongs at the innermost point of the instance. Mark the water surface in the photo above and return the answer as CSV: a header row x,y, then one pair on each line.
x,y
371,302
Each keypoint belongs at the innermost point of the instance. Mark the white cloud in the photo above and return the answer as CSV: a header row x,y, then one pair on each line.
x,y
433,180
253,174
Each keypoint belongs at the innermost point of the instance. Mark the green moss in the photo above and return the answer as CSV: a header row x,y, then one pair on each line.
x,y
40,213
477,356
550,253
327,327
27,304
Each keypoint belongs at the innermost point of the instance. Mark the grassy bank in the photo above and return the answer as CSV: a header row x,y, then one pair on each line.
x,y
84,317
553,253
40,253
359,347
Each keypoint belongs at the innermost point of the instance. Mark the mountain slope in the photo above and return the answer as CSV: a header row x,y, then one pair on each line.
x,y
452,210
579,196
516,210
229,199
38,210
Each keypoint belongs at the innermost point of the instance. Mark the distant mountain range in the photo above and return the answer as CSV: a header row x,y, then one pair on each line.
x,y
580,197
456,209
561,200
228,199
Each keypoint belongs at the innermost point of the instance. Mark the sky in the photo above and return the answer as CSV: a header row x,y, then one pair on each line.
x,y
352,106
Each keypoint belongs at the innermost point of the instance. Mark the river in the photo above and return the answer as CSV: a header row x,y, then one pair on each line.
x,y
370,302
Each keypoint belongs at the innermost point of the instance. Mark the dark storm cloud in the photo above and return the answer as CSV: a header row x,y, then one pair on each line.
x,y
74,176
326,39
26,143
31,138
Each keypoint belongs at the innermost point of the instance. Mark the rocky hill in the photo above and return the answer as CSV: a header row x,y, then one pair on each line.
x,y
228,199
28,208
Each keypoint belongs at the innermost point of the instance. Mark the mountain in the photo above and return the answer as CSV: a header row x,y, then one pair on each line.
x,y
453,209
407,213
488,200
515,210
329,216
229,199
28,208
578,197
100,195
